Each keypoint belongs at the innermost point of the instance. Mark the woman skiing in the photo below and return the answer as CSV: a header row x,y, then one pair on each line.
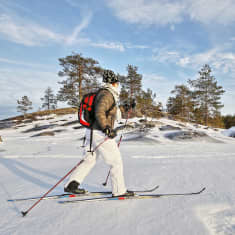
x,y
106,111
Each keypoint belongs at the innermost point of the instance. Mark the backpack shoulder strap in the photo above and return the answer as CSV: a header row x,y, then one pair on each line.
x,y
113,105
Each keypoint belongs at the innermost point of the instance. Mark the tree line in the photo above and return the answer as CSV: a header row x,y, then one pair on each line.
x,y
81,75
198,101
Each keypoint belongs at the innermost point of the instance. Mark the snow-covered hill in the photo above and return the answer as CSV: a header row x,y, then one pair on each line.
x,y
180,157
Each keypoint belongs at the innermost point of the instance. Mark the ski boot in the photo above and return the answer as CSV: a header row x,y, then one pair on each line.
x,y
128,193
73,187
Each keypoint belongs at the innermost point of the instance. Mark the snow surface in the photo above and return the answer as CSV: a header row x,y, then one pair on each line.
x,y
230,132
30,166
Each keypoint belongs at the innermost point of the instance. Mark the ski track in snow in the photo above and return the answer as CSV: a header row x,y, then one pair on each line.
x,y
30,166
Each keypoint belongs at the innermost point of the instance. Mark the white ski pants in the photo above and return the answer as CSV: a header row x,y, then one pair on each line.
x,y
110,153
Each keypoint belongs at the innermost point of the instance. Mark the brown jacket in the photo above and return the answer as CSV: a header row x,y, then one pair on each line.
x,y
103,117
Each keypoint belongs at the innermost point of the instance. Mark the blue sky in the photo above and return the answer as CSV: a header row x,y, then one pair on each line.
x,y
169,41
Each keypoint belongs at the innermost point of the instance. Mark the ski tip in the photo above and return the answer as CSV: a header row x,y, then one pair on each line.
x,y
24,213
203,189
153,189
156,187
199,192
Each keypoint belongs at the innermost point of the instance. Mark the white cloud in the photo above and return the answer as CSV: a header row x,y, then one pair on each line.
x,y
154,77
110,45
147,12
21,63
159,84
212,11
31,82
24,31
133,46
118,46
184,61
74,37
163,12
221,59
32,34
4,60
28,34
162,55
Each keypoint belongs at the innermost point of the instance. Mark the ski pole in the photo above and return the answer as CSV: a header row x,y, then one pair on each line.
x,y
24,213
119,142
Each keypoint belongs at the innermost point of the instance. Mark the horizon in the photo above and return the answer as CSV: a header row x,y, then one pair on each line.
x,y
169,42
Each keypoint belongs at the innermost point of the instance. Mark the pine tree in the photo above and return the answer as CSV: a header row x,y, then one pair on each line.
x,y
123,92
24,105
182,104
207,95
173,105
229,121
146,103
81,77
131,84
49,100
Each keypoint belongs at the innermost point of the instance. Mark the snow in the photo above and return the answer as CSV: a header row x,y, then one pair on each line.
x,y
30,166
230,132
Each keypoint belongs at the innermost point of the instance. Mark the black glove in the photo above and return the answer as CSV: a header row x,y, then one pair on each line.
x,y
110,132
126,107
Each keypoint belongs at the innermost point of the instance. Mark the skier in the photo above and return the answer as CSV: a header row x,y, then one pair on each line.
x,y
106,112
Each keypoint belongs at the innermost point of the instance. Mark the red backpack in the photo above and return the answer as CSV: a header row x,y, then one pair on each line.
x,y
86,111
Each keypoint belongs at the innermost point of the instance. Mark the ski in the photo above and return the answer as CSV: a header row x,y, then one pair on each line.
x,y
69,195
137,196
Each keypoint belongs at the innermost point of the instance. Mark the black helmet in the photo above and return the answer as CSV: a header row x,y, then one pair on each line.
x,y
109,77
